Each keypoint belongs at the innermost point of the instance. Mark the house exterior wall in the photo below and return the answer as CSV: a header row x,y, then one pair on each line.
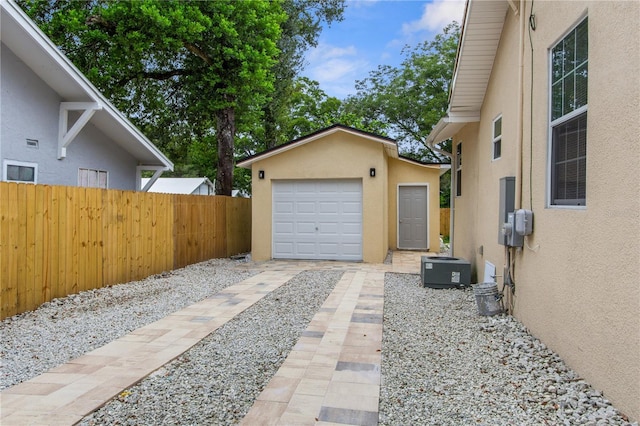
x,y
30,110
403,172
578,281
336,156
203,189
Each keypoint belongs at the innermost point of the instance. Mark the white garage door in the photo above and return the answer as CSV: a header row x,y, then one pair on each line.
x,y
317,219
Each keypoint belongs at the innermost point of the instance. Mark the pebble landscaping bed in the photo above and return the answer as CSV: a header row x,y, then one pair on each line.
x,y
444,364
66,328
217,381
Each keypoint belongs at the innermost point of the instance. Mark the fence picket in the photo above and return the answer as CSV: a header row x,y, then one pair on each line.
x,y
58,240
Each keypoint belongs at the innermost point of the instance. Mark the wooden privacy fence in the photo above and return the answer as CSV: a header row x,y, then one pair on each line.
x,y
445,220
59,240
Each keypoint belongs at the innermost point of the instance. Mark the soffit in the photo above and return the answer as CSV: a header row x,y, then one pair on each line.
x,y
38,53
479,42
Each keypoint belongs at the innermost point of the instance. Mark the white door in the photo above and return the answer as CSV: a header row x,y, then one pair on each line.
x,y
413,219
317,219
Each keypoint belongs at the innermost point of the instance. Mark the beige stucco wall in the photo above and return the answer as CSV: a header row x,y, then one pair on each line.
x,y
578,285
336,156
404,172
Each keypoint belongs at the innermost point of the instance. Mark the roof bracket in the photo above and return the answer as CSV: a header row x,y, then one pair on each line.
x,y
515,8
158,171
66,135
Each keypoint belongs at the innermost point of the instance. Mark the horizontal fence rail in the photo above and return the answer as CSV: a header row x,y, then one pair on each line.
x,y
60,240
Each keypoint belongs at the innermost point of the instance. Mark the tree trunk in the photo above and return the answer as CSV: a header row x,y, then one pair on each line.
x,y
225,133
270,135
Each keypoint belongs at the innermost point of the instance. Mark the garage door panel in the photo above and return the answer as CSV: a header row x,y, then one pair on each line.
x,y
351,229
328,228
305,227
351,249
317,219
281,207
351,207
328,249
305,207
283,247
325,207
305,249
284,228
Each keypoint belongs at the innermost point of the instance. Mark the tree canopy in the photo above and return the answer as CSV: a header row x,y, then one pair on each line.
x,y
411,98
209,81
191,67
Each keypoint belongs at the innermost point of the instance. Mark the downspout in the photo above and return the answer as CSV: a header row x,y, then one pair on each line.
x,y
452,196
520,122
509,262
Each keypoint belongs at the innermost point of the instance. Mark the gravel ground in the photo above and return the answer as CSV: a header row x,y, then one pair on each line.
x,y
443,364
217,381
69,327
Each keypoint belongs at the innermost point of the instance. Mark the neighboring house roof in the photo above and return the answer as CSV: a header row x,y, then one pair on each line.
x,y
37,51
178,185
390,145
479,39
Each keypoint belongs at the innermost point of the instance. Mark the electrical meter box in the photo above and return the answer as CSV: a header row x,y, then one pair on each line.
x,y
513,238
507,205
524,222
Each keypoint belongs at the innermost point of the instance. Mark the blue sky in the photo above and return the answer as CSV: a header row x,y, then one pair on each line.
x,y
373,33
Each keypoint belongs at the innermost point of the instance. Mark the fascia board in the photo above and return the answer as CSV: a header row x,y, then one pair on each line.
x,y
47,46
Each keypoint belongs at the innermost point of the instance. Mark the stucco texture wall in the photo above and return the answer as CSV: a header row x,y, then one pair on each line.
x,y
404,172
577,282
335,156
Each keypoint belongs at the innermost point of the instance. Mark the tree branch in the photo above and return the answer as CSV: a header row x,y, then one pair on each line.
x,y
198,52
156,75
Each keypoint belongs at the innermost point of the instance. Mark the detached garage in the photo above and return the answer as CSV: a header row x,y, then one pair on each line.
x,y
341,194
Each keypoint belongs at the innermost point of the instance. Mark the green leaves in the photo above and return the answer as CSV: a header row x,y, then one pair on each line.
x,y
410,99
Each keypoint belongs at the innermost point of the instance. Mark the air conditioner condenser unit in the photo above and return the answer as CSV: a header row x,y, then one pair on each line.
x,y
445,272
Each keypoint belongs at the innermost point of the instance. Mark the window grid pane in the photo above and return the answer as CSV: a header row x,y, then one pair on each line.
x,y
569,162
569,69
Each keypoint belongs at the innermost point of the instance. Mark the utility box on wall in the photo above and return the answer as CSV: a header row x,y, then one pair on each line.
x,y
507,205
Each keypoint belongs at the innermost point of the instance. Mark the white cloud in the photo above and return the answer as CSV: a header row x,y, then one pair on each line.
x,y
436,16
325,52
335,68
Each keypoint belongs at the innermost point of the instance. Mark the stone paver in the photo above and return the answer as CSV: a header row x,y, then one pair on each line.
x,y
66,394
332,375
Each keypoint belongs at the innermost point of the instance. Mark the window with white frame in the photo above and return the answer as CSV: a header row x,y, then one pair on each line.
x,y
19,171
568,121
497,137
91,178
459,169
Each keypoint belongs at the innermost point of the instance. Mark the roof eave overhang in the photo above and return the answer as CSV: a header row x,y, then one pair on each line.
x,y
19,32
480,37
390,146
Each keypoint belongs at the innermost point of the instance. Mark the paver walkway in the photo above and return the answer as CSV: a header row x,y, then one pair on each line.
x,y
332,375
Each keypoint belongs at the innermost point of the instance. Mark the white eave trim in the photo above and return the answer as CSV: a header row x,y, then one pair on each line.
x,y
483,21
96,97
449,125
390,147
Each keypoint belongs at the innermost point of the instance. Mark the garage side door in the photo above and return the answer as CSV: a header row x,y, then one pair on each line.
x,y
317,219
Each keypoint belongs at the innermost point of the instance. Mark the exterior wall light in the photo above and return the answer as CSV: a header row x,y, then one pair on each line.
x,y
372,172
261,174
